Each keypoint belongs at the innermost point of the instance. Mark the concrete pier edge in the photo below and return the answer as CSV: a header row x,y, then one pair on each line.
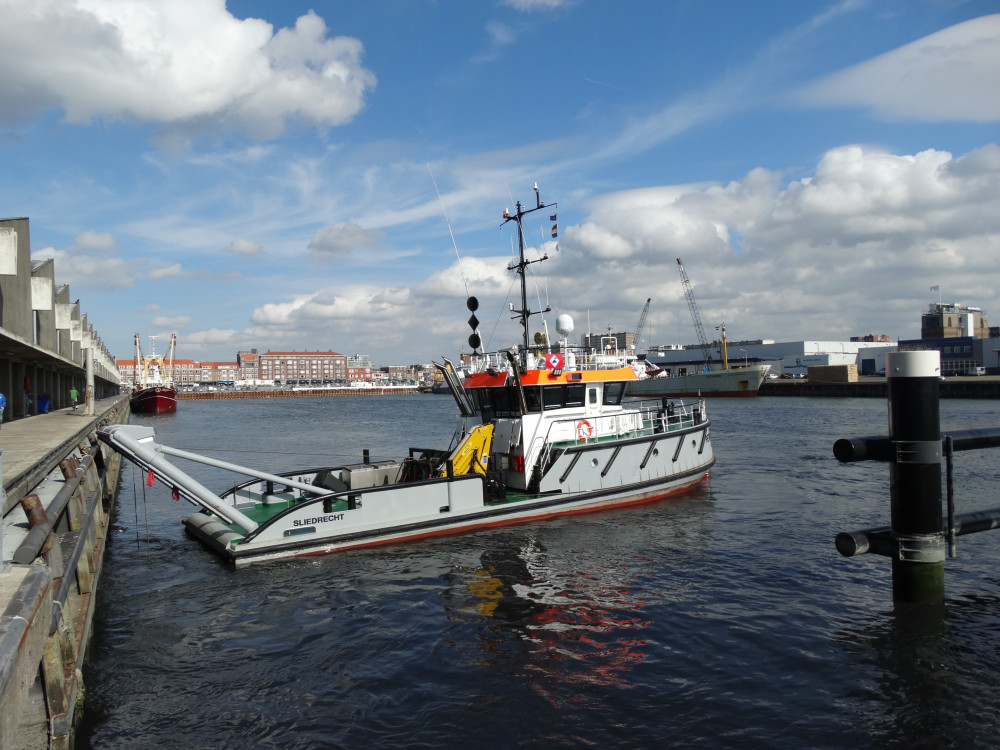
x,y
44,641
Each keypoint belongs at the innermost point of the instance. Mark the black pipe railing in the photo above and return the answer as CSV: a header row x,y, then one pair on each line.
x,y
879,541
916,537
880,448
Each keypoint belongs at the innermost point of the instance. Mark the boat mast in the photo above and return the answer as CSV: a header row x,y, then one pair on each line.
x,y
138,364
169,379
725,353
524,313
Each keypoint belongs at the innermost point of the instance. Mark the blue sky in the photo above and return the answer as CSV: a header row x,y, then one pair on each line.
x,y
262,174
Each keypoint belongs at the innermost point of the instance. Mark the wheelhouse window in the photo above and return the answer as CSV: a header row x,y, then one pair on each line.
x,y
613,393
498,402
574,394
559,396
553,396
533,398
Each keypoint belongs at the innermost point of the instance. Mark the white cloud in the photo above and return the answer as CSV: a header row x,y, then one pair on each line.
x,y
180,321
91,271
953,74
174,269
188,64
850,249
244,247
212,338
94,242
343,237
470,276
532,5
178,270
500,35
359,305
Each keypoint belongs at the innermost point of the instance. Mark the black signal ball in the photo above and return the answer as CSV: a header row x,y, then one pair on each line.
x,y
472,303
474,341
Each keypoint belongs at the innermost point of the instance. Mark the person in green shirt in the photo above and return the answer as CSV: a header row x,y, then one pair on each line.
x,y
73,396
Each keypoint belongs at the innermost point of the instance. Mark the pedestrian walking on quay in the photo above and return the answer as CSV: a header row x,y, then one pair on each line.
x,y
73,396
3,405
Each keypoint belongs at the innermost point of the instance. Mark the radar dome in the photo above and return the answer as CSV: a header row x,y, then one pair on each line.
x,y
564,324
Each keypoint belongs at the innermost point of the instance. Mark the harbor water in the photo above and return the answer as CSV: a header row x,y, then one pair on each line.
x,y
724,618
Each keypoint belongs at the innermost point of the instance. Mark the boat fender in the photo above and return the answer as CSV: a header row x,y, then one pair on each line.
x,y
584,430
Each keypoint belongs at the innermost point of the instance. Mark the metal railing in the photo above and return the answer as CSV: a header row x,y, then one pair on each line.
x,y
915,449
647,418
879,540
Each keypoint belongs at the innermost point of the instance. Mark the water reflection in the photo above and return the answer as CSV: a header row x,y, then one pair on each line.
x,y
574,625
928,672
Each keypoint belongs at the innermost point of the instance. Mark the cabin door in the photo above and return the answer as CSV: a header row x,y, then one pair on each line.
x,y
592,400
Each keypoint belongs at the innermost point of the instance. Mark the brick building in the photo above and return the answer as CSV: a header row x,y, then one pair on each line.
x,y
945,321
309,367
249,364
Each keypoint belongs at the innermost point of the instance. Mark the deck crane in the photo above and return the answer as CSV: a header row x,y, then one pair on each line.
x,y
706,348
642,321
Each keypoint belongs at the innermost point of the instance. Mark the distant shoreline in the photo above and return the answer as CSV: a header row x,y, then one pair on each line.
x,y
985,387
281,393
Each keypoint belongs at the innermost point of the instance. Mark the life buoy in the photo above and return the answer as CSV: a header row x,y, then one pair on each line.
x,y
584,430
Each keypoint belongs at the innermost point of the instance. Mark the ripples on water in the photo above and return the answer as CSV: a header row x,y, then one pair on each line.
x,y
725,618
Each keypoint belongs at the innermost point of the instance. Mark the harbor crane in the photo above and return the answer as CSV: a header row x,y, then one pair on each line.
x,y
642,321
695,316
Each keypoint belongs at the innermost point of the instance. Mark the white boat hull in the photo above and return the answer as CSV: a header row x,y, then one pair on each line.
x,y
435,508
633,456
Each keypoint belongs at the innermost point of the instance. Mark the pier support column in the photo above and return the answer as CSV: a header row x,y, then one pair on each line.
x,y
88,409
915,477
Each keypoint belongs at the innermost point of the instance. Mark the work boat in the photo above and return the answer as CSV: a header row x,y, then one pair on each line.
x,y
542,431
153,390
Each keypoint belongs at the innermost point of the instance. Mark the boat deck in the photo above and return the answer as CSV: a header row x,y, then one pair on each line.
x,y
262,512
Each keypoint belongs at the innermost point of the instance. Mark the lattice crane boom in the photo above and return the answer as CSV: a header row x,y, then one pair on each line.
x,y
695,316
642,321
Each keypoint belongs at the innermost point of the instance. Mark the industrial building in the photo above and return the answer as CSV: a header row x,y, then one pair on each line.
x,y
789,357
962,335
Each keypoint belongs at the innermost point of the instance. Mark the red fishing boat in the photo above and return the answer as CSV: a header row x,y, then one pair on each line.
x,y
154,391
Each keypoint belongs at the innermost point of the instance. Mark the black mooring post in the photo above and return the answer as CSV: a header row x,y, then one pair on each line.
x,y
915,477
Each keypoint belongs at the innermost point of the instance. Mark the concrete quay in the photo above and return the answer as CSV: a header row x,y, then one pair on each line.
x,y
59,485
987,387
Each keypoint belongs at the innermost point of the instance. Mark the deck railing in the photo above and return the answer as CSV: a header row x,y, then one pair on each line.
x,y
644,419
